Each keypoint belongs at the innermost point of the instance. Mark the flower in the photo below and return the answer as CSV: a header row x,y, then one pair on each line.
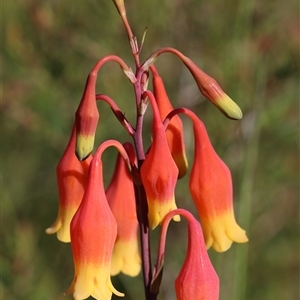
x,y
159,172
212,90
121,198
206,84
87,117
174,131
93,233
71,178
211,188
197,279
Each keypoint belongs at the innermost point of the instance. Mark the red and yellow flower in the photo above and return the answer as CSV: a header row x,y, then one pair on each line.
x,y
93,234
159,172
86,119
211,188
212,91
71,178
174,131
121,198
197,279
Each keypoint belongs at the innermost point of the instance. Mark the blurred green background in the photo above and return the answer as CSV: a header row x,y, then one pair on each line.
x,y
250,47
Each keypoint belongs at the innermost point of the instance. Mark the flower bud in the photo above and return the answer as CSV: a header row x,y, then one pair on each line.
x,y
87,117
212,91
197,279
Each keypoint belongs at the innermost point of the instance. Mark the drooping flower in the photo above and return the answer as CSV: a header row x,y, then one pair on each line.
x,y
159,172
174,131
212,91
93,233
87,117
197,279
121,199
71,178
211,188
207,85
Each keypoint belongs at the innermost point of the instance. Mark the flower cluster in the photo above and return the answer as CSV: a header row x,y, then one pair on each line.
x,y
104,224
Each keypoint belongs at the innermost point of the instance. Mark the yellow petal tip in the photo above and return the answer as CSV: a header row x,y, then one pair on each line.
x,y
84,146
229,108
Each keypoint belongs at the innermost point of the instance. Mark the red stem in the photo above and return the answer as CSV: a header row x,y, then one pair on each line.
x,y
148,62
107,58
163,233
116,110
141,200
177,111
115,144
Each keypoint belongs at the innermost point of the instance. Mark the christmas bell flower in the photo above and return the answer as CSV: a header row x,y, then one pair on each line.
x,y
71,178
174,131
93,234
197,279
121,198
211,188
212,91
87,117
159,172
207,85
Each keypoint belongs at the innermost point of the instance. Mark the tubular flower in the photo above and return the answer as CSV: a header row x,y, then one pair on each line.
x,y
87,117
121,198
174,131
93,233
212,91
197,279
71,178
159,172
211,188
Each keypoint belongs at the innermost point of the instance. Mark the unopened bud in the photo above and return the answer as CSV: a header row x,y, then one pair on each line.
x,y
229,107
120,7
84,146
210,89
86,119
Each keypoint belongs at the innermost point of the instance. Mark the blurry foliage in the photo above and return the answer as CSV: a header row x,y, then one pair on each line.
x,y
250,47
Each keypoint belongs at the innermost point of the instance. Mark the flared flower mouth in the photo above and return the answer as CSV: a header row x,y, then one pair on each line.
x,y
92,280
221,231
61,226
126,258
158,210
